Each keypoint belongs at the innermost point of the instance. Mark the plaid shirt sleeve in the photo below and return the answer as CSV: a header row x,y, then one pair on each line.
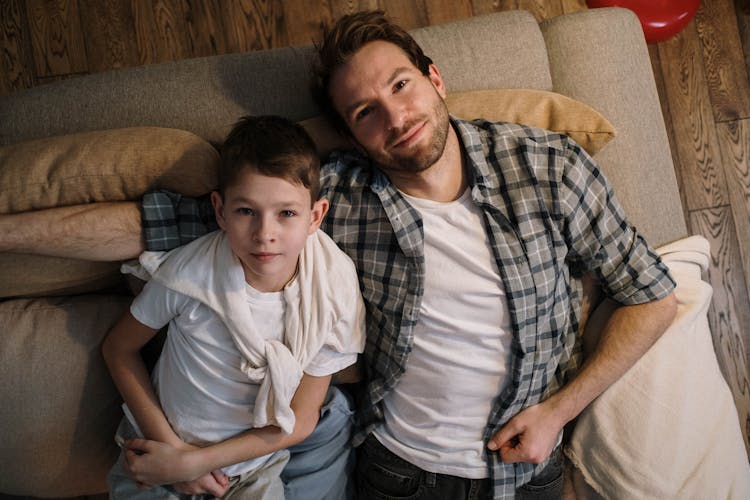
x,y
171,220
600,238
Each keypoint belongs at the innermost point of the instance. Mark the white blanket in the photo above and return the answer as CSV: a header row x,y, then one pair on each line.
x,y
668,429
327,309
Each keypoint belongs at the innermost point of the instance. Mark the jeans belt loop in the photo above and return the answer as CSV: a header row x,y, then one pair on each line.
x,y
430,479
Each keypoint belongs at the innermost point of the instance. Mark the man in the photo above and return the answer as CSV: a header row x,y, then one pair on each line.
x,y
470,240
479,228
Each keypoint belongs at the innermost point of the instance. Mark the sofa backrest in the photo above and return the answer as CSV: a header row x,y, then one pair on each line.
x,y
597,56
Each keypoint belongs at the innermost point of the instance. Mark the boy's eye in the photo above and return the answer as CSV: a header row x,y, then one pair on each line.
x,y
399,85
246,211
288,213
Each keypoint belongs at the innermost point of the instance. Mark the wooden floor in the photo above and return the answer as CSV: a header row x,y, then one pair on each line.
x,y
702,76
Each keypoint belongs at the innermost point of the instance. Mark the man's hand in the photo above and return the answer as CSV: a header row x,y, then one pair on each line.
x,y
215,483
530,436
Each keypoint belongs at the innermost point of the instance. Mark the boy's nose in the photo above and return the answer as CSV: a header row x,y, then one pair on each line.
x,y
264,231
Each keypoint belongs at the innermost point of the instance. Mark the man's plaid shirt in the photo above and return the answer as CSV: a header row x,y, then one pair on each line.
x,y
550,215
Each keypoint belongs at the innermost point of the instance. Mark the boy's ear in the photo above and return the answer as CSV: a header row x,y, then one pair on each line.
x,y
319,211
218,204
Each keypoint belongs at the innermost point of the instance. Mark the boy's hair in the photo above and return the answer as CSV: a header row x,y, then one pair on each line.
x,y
272,146
350,33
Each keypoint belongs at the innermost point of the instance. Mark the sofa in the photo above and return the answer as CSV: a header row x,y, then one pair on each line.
x,y
109,137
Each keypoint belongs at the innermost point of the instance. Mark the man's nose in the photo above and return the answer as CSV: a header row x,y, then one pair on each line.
x,y
394,115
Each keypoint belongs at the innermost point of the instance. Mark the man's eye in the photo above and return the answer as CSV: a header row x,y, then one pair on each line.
x,y
362,113
399,85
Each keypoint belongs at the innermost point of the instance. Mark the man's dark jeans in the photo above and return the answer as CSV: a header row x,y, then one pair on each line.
x,y
381,475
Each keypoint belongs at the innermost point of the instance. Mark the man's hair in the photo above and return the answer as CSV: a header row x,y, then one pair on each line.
x,y
350,33
272,146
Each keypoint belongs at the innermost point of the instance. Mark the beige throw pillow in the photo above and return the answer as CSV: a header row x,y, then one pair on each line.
x,y
537,108
105,165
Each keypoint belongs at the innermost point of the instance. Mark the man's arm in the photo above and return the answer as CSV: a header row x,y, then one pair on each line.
x,y
152,462
96,231
530,436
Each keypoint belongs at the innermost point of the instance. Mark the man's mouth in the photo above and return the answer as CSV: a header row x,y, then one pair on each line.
x,y
410,137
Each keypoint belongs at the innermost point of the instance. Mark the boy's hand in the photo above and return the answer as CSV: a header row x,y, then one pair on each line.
x,y
215,483
152,463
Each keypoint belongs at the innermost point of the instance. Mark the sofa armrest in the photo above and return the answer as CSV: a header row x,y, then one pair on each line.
x,y
600,57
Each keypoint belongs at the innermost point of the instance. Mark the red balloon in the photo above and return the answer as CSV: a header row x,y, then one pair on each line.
x,y
660,19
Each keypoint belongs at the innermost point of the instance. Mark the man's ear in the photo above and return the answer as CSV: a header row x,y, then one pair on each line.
x,y
319,211
218,204
437,80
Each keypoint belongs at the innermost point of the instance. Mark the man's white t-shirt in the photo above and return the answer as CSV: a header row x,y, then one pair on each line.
x,y
202,391
436,415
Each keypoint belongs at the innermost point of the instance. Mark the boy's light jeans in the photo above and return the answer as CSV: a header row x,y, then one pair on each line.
x,y
319,468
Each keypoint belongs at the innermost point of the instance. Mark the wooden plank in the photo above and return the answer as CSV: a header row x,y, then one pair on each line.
x,y
109,34
56,37
443,11
541,9
726,72
160,30
205,27
342,7
729,314
408,14
735,146
698,160
569,6
254,25
304,20
15,46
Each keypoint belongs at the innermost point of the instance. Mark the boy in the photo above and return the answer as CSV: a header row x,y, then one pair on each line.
x,y
260,314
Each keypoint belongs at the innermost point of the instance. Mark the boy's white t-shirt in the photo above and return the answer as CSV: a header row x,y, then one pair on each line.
x,y
202,391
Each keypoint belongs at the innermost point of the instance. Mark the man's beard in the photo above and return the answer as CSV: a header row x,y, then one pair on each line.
x,y
424,157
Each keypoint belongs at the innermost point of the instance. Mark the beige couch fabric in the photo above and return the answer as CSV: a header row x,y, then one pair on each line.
x,y
60,408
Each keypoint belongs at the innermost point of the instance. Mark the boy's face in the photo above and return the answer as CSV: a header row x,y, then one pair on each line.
x,y
393,111
267,221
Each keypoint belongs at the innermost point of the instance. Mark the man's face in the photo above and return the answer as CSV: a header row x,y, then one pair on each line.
x,y
395,113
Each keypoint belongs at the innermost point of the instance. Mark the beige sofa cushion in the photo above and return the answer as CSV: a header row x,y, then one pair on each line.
x,y
60,408
537,108
107,165
23,275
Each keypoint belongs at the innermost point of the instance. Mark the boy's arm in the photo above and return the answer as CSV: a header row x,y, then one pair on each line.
x,y
121,350
159,463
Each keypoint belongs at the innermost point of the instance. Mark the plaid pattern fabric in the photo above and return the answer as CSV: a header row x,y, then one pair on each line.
x,y
550,215
170,220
